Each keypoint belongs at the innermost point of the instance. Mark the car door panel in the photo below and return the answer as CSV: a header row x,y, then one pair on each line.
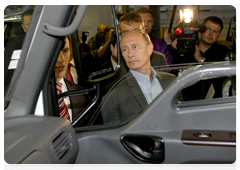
x,y
169,121
100,148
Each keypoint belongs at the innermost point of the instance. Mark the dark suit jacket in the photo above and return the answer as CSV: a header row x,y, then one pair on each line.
x,y
158,59
79,102
127,99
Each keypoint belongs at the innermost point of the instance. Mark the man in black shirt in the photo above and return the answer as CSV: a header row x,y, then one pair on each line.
x,y
207,50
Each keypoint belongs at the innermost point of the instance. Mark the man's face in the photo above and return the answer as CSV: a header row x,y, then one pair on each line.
x,y
135,51
211,34
135,26
62,61
26,22
148,22
101,32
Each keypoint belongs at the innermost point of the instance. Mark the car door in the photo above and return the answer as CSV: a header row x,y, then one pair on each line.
x,y
44,137
29,138
195,132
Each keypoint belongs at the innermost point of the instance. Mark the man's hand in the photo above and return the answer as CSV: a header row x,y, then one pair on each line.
x,y
103,49
174,44
197,55
167,37
109,35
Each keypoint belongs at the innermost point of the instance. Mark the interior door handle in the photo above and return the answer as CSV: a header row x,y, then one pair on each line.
x,y
144,154
146,148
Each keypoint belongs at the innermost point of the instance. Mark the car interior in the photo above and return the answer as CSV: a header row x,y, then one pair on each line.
x,y
208,90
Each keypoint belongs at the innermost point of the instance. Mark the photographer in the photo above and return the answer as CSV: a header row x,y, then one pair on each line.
x,y
207,49
105,48
98,40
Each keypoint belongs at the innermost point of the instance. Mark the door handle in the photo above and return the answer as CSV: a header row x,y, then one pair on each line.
x,y
144,154
146,148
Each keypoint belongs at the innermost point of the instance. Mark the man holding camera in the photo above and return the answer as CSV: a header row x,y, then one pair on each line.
x,y
207,49
98,40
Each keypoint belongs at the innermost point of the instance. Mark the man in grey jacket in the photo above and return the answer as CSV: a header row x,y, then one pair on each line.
x,y
140,86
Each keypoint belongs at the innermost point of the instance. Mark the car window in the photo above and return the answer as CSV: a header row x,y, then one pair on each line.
x,y
97,33
89,53
205,88
127,98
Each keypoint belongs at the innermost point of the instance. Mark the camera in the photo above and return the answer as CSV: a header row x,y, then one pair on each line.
x,y
187,36
84,47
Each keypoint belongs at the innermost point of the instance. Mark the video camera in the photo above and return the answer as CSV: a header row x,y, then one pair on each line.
x,y
187,36
186,32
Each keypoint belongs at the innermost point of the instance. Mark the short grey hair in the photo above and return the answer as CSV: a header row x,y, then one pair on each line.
x,y
145,36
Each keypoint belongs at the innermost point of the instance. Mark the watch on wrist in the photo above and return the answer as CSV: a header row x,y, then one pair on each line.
x,y
202,60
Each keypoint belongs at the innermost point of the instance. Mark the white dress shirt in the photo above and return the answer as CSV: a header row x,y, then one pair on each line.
x,y
150,90
73,72
114,64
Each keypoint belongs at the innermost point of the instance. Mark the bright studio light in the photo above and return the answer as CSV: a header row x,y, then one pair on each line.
x,y
186,15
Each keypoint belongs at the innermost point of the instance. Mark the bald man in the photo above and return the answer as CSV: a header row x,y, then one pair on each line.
x,y
98,40
142,85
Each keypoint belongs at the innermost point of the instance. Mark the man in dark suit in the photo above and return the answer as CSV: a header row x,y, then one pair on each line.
x,y
74,105
142,84
133,21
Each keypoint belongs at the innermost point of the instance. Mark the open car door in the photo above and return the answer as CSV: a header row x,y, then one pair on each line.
x,y
29,138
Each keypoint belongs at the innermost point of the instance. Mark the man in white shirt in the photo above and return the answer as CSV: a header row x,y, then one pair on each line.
x,y
141,86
